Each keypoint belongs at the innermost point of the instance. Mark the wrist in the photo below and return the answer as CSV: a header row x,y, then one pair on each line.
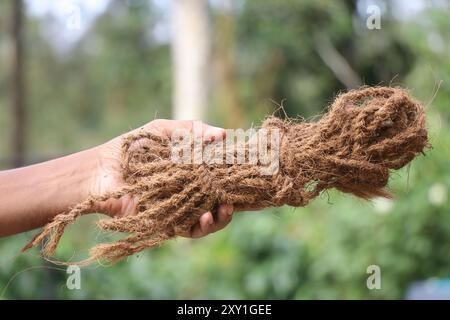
x,y
88,172
74,178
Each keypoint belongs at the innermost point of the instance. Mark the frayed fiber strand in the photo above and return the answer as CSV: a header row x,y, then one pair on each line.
x,y
352,148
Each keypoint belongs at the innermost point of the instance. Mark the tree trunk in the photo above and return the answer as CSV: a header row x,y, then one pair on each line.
x,y
18,85
191,48
227,92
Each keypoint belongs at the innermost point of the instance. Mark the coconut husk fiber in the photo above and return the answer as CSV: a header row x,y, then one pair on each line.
x,y
353,147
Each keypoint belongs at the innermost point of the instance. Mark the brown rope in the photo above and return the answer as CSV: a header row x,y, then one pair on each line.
x,y
365,133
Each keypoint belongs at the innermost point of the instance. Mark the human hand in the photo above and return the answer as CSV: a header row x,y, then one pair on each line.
x,y
108,177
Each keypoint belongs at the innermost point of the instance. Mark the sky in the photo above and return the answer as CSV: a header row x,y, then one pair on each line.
x,y
67,12
71,19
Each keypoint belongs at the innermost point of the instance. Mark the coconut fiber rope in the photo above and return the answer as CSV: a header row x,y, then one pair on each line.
x,y
352,148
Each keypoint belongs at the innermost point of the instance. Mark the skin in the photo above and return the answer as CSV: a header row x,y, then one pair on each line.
x,y
31,196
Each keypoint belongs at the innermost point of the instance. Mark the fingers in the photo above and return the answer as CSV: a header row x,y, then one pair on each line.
x,y
124,206
200,129
129,205
211,133
207,225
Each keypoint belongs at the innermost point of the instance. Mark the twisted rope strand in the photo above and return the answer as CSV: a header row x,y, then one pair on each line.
x,y
365,134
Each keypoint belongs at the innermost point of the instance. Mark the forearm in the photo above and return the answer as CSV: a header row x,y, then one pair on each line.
x,y
33,195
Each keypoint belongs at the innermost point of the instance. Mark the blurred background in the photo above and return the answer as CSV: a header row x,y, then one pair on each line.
x,y
75,73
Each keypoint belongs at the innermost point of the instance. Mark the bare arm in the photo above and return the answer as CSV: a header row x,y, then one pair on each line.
x,y
33,195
